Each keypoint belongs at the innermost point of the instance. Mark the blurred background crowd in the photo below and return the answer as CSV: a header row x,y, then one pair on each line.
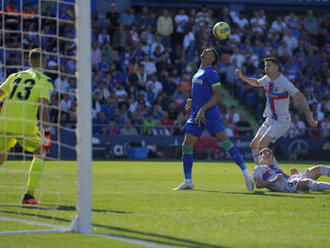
x,y
143,60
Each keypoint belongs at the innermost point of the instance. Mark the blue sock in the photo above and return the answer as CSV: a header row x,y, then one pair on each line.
x,y
187,159
234,152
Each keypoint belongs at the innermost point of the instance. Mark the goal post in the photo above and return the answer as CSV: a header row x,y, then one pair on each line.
x,y
84,130
14,217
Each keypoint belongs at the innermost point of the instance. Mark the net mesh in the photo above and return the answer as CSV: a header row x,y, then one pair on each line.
x,y
49,25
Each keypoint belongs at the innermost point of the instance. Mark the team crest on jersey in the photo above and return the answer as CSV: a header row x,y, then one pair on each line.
x,y
276,89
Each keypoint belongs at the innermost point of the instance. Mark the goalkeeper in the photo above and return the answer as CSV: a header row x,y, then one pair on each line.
x,y
25,93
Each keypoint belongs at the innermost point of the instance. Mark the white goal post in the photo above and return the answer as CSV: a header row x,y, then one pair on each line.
x,y
82,222
84,130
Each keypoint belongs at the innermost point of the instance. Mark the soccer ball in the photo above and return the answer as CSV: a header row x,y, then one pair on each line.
x,y
221,30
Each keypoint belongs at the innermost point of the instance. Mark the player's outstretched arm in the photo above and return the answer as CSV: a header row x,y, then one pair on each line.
x,y
45,122
250,81
303,101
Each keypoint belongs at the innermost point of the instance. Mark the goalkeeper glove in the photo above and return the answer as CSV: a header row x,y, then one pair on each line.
x,y
45,141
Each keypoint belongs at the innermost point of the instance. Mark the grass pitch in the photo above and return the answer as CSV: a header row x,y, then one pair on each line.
x,y
135,199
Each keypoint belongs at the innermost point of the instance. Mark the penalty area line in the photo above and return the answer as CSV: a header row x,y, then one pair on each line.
x,y
133,241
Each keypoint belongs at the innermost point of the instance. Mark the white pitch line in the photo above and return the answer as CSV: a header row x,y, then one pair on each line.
x,y
33,223
133,241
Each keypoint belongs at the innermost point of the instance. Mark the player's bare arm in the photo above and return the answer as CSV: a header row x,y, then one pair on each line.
x,y
45,121
260,183
44,113
187,107
303,101
250,81
200,118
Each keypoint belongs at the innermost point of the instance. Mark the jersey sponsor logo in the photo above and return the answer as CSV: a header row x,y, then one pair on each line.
x,y
197,81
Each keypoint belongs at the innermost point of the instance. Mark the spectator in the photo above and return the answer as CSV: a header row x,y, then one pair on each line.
x,y
325,126
149,66
165,27
143,19
65,102
128,129
311,23
120,92
96,55
232,116
181,19
103,37
149,123
113,18
244,127
109,107
112,129
297,127
156,85
258,23
290,40
61,84
128,16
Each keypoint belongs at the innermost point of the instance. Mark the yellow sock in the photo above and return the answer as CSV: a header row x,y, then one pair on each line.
x,y
35,174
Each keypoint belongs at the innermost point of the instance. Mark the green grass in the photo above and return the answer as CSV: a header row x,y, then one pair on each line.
x,y
134,199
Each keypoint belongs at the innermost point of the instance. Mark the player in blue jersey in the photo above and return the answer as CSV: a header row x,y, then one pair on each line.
x,y
204,113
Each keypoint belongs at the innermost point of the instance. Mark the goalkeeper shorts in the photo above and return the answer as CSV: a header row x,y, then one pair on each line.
x,y
29,142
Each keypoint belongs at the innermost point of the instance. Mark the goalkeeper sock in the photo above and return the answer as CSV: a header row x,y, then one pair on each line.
x,y
325,170
234,152
255,154
317,186
187,159
35,174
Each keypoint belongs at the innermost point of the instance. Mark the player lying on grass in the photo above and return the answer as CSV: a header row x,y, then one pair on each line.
x,y
204,113
266,175
25,92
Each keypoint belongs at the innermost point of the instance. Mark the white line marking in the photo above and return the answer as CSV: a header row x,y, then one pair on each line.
x,y
133,241
33,223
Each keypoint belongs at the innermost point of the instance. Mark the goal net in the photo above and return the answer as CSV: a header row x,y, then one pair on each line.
x,y
64,187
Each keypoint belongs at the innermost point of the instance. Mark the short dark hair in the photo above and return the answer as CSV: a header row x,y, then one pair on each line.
x,y
274,60
216,55
36,56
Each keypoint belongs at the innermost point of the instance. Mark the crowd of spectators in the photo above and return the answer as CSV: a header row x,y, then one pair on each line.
x,y
143,62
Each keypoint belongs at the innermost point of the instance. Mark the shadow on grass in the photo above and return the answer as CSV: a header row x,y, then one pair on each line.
x,y
261,193
63,208
129,233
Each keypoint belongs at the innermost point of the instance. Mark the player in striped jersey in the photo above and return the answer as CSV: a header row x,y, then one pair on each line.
x,y
25,93
266,175
278,90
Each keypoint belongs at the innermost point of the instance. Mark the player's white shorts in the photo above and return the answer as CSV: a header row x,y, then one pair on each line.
x,y
290,184
273,128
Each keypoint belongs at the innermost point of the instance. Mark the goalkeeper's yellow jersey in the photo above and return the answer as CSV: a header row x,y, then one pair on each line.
x,y
23,91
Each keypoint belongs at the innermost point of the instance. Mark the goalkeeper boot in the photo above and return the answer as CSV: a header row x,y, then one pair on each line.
x,y
29,199
185,186
248,180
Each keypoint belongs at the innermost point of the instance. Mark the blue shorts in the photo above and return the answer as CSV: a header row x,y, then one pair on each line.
x,y
213,126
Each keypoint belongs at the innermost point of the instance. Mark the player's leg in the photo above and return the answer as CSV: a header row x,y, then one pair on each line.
x,y
191,137
275,130
315,172
306,184
227,145
254,148
5,145
254,145
32,144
